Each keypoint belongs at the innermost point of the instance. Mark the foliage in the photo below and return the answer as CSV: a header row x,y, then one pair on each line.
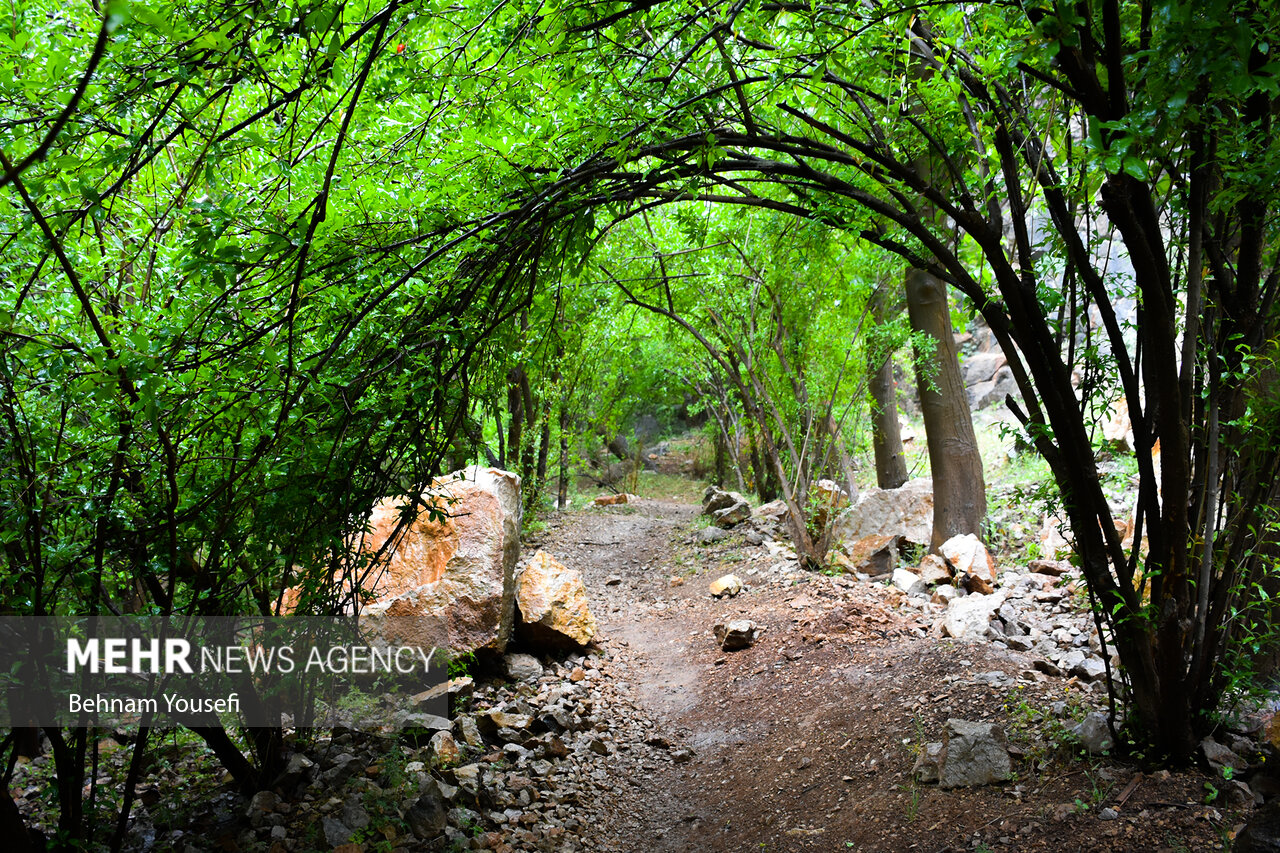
x,y
268,265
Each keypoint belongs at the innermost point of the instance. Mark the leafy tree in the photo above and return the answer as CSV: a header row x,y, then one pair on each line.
x,y
1047,141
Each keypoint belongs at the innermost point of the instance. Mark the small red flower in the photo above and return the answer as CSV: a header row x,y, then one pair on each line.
x,y
400,48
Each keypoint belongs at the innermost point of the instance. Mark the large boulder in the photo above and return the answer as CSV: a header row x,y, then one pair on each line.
x,y
553,604
906,511
449,581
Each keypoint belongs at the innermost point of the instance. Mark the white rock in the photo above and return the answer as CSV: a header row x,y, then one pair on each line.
x,y
909,582
967,618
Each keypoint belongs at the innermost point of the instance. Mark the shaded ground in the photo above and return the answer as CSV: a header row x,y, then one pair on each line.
x,y
805,741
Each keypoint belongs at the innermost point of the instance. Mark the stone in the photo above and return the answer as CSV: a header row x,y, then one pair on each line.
x,y
467,777
1053,538
973,754
830,493
716,498
773,510
926,768
445,748
753,537
451,690
1118,430
354,815
827,497
1261,833
335,831
968,556
522,667
732,516
1089,669
944,594
725,508
1019,643
906,511
469,731
420,720
994,390
708,535
1053,568
553,604
934,570
1221,757
613,580
875,555
448,583
428,815
507,720
909,582
726,586
260,805
968,618
1093,733
736,634
979,367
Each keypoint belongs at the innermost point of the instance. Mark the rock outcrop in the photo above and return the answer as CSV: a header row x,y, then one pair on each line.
x,y
449,579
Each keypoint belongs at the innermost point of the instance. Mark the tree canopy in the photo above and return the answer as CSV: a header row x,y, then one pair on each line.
x,y
266,265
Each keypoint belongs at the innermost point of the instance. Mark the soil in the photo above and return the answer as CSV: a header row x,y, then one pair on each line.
x,y
806,739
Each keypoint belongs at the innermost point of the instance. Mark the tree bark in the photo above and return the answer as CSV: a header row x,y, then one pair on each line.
x,y
959,492
886,435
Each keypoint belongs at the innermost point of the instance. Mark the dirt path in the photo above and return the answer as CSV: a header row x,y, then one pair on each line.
x,y
806,740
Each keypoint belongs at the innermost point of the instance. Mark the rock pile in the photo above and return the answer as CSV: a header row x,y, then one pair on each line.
x,y
536,765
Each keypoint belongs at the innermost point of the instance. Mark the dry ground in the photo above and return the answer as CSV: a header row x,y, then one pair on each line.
x,y
806,740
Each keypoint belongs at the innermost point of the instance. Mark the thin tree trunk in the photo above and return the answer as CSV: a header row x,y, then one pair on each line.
x,y
721,454
886,435
562,492
959,492
515,417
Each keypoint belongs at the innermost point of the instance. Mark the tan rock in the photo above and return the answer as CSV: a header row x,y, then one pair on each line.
x,y
968,556
445,748
1053,538
831,494
934,570
729,585
553,603
875,555
773,509
1118,431
906,511
449,581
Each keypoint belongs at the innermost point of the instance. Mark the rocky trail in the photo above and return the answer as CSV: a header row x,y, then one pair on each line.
x,y
658,739
806,740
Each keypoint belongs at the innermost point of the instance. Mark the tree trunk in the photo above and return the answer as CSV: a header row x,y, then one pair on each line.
x,y
562,492
515,417
959,492
721,453
886,435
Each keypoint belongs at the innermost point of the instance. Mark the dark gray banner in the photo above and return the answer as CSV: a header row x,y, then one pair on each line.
x,y
292,671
